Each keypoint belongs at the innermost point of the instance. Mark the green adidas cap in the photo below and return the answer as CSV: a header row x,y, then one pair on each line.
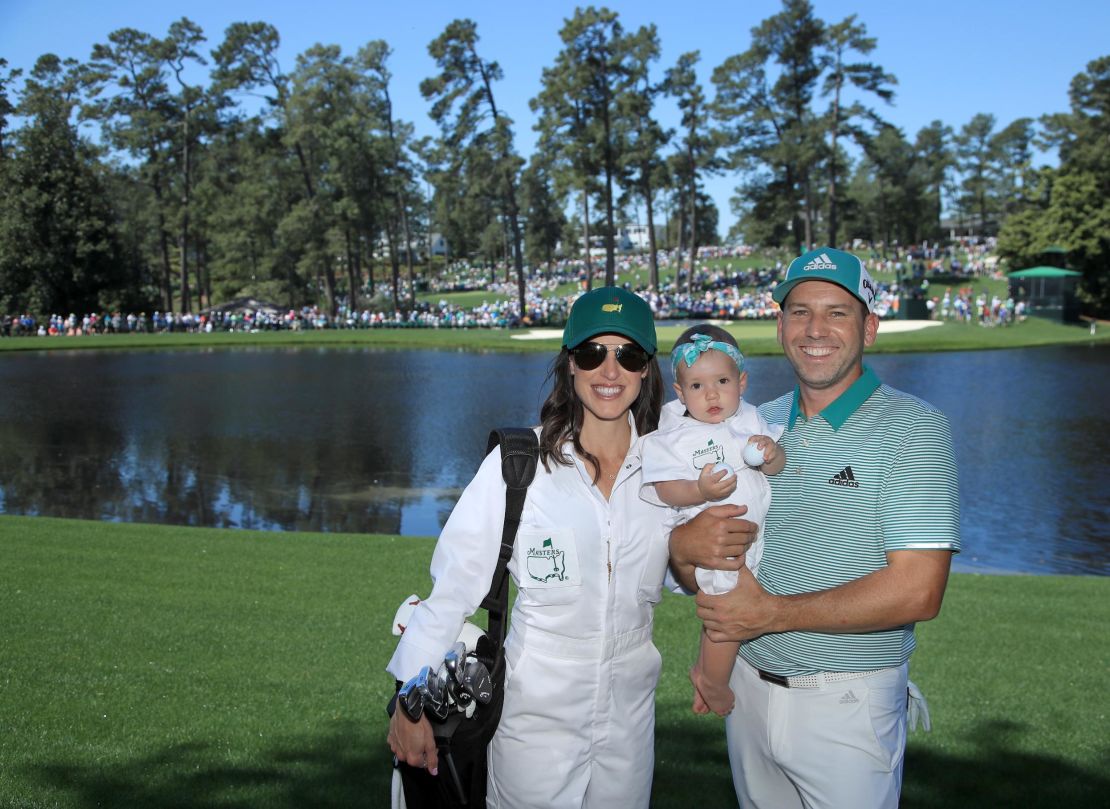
x,y
610,310
829,264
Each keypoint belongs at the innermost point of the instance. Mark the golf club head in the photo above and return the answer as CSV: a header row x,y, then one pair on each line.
x,y
476,681
434,691
411,700
454,659
422,677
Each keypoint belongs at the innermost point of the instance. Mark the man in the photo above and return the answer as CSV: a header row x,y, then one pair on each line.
x,y
859,538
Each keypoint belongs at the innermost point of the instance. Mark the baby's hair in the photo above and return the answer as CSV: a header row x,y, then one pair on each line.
x,y
716,332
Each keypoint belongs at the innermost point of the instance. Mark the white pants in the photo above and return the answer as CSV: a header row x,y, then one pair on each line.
x,y
837,746
578,728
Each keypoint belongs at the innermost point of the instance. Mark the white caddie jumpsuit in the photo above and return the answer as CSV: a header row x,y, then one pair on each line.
x,y
578,724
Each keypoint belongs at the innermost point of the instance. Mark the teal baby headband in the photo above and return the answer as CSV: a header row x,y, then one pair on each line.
x,y
698,345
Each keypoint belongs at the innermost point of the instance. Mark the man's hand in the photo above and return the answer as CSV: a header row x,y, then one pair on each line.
x,y
413,742
715,539
745,612
908,589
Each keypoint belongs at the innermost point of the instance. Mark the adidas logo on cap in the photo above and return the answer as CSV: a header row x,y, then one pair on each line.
x,y
821,262
845,477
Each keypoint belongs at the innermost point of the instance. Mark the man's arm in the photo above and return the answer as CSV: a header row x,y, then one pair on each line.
x,y
910,588
715,539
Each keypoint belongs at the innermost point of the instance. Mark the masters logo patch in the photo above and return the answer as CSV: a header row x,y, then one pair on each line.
x,y
547,563
712,452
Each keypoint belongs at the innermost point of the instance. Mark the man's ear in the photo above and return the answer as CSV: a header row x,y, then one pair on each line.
x,y
870,329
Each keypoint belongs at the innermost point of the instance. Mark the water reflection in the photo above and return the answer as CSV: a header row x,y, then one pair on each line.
x,y
362,440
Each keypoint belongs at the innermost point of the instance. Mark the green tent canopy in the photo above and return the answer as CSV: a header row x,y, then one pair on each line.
x,y
1048,292
1044,272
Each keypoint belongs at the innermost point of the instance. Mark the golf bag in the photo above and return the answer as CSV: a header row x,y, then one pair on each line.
x,y
462,740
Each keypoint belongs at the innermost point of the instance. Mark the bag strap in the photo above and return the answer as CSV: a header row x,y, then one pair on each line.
x,y
519,456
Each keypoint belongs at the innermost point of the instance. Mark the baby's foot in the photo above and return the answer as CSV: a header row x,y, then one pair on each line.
x,y
710,696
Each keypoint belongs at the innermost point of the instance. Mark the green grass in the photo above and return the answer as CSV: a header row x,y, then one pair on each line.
x,y
755,338
153,666
466,300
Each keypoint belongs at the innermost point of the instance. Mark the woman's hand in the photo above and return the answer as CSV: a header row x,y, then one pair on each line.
x,y
413,742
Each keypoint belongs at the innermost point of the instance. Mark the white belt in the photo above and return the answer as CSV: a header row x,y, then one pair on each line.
x,y
817,680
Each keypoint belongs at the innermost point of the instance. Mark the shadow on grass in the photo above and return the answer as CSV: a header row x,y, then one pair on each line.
x,y
691,764
1001,774
350,767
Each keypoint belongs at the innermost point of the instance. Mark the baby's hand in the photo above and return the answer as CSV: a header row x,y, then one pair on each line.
x,y
716,485
765,444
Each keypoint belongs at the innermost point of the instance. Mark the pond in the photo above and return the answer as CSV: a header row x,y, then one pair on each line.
x,y
373,441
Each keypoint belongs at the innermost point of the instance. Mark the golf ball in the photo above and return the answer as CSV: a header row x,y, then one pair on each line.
x,y
752,455
724,467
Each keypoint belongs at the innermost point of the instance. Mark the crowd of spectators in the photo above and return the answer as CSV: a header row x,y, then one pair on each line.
x,y
719,291
965,306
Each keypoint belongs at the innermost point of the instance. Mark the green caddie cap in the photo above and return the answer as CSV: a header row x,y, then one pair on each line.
x,y
829,264
610,310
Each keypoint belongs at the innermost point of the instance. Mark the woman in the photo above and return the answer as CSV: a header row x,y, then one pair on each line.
x,y
577,728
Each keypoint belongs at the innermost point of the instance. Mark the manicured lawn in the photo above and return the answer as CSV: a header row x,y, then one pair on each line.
x,y
467,300
756,338
149,667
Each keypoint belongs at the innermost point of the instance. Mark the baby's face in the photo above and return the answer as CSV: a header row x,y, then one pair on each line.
x,y
711,388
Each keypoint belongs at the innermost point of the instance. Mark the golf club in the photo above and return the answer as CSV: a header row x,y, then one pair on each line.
x,y
411,700
452,661
476,681
434,691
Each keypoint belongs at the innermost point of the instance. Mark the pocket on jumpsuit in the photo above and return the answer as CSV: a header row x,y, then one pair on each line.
x,y
657,557
536,756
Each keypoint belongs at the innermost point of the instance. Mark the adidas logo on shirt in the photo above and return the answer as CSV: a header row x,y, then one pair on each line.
x,y
822,262
845,477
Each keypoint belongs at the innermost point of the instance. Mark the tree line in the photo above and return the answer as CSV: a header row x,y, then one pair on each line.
x,y
303,187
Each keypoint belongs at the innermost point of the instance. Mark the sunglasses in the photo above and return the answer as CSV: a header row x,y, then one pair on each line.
x,y
631,357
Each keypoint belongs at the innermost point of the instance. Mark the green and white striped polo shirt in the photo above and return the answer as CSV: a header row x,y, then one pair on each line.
x,y
873,472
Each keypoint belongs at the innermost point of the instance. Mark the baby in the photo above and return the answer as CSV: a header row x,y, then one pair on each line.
x,y
700,456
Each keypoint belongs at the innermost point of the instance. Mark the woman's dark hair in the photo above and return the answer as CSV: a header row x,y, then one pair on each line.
x,y
561,415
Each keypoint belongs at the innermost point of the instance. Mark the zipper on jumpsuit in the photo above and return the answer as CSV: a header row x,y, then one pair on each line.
x,y
609,522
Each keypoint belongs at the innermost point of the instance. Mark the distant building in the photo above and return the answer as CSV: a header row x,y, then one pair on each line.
x,y
967,226
420,247
635,237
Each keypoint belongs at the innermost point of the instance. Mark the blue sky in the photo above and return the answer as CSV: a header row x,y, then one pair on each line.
x,y
952,58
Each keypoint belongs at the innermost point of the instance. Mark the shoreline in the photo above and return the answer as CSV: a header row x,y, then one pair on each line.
x,y
757,338
16,522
